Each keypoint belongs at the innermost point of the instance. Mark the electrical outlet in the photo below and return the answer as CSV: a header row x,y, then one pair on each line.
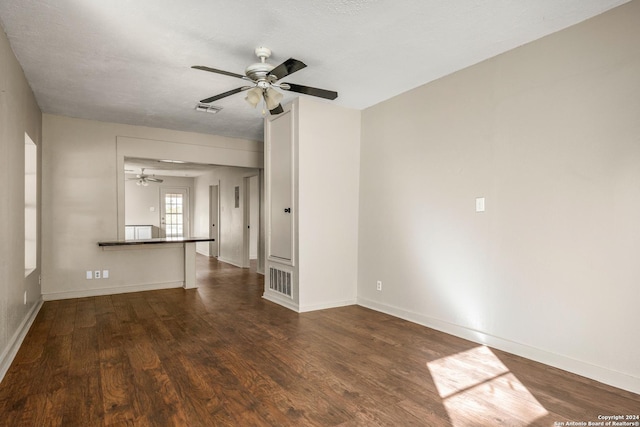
x,y
89,275
105,274
97,274
379,285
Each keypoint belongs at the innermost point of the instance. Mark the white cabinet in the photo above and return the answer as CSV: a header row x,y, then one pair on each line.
x,y
138,232
312,153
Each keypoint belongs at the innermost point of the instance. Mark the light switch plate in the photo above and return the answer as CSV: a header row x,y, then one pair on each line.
x,y
89,275
105,274
480,204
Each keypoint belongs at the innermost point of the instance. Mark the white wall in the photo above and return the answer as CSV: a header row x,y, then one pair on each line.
x,y
201,211
328,181
19,114
83,171
138,202
231,218
549,133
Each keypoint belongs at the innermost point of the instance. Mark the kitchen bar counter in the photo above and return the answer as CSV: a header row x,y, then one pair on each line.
x,y
157,240
188,243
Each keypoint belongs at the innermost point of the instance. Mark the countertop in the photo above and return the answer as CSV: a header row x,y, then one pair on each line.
x,y
156,241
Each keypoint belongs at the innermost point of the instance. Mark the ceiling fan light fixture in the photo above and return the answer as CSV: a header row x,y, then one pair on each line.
x,y
254,96
272,97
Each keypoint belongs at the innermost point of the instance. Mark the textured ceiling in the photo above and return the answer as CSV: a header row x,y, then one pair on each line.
x,y
129,61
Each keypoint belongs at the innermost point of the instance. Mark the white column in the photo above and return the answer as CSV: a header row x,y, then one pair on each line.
x,y
190,265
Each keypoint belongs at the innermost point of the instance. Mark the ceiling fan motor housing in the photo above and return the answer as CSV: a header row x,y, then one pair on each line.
x,y
259,70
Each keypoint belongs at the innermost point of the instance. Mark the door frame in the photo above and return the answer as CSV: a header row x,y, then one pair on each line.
x,y
246,218
214,218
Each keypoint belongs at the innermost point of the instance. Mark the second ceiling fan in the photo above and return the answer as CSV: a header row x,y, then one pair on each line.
x,y
144,179
264,77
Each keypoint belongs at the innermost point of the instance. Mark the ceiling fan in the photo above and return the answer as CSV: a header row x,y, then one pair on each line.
x,y
144,179
264,77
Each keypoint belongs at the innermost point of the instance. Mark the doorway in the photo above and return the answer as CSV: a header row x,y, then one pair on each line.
x,y
251,202
214,220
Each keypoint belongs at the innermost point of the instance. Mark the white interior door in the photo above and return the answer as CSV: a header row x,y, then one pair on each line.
x,y
174,211
246,224
254,216
281,186
214,219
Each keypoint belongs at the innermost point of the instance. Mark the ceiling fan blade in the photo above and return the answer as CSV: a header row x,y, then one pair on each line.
x,y
277,110
154,179
215,70
225,94
289,66
307,90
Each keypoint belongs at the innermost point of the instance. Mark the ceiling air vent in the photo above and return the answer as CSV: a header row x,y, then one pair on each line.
x,y
206,108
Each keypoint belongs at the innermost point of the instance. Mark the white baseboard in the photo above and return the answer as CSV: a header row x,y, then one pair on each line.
x,y
7,356
324,306
288,303
110,291
283,301
597,373
227,261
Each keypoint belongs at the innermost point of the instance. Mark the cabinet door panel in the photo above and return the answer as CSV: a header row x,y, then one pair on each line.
x,y
129,232
281,186
143,232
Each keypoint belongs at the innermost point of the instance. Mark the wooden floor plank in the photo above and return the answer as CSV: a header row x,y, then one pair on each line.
x,y
64,321
117,386
84,404
221,355
85,313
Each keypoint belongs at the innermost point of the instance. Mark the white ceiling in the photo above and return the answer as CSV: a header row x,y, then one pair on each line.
x,y
129,61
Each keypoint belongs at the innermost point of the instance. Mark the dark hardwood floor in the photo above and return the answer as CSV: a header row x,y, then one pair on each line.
x,y
222,356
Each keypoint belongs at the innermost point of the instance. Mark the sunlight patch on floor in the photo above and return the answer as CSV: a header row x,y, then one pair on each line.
x,y
478,389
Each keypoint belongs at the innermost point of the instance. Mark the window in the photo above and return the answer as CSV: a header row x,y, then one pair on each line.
x,y
30,205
